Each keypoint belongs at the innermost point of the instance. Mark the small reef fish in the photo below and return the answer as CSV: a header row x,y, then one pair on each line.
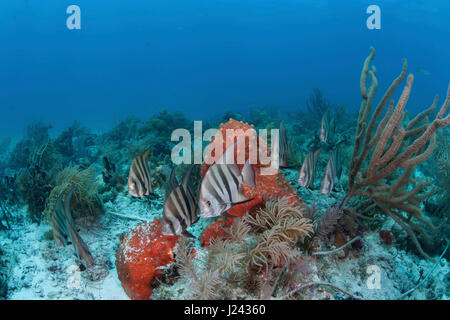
x,y
222,188
324,127
307,172
140,178
425,72
284,146
327,184
180,206
64,230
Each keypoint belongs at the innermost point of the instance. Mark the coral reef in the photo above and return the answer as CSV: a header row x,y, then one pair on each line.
x,y
34,187
253,256
113,182
34,143
160,127
36,160
283,244
73,143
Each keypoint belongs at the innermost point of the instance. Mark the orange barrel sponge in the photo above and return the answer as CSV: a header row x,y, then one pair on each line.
x,y
141,252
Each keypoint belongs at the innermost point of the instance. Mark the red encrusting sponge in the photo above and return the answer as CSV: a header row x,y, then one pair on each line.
x,y
141,252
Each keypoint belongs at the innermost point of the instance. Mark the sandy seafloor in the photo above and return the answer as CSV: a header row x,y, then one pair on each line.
x,y
37,269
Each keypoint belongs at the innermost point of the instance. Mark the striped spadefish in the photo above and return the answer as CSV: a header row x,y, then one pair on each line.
x,y
63,230
222,183
139,179
307,172
327,184
180,207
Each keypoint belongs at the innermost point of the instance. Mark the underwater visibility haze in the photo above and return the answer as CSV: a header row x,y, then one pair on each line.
x,y
224,150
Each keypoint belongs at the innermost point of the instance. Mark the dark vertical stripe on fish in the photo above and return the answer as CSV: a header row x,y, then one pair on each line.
x,y
224,181
144,177
217,188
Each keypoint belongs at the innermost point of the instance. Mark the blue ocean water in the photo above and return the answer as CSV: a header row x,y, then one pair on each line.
x,y
203,56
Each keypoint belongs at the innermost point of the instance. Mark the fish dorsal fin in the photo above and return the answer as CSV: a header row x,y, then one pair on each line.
x,y
146,153
173,179
248,174
227,156
185,181
171,184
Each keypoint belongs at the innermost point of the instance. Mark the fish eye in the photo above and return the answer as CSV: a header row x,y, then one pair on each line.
x,y
208,203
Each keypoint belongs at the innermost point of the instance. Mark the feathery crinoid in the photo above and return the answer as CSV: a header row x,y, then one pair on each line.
x,y
293,230
184,261
284,216
224,256
84,181
239,230
205,287
279,227
206,277
269,251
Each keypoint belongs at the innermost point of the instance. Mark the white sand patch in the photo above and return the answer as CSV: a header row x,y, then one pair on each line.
x,y
399,272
